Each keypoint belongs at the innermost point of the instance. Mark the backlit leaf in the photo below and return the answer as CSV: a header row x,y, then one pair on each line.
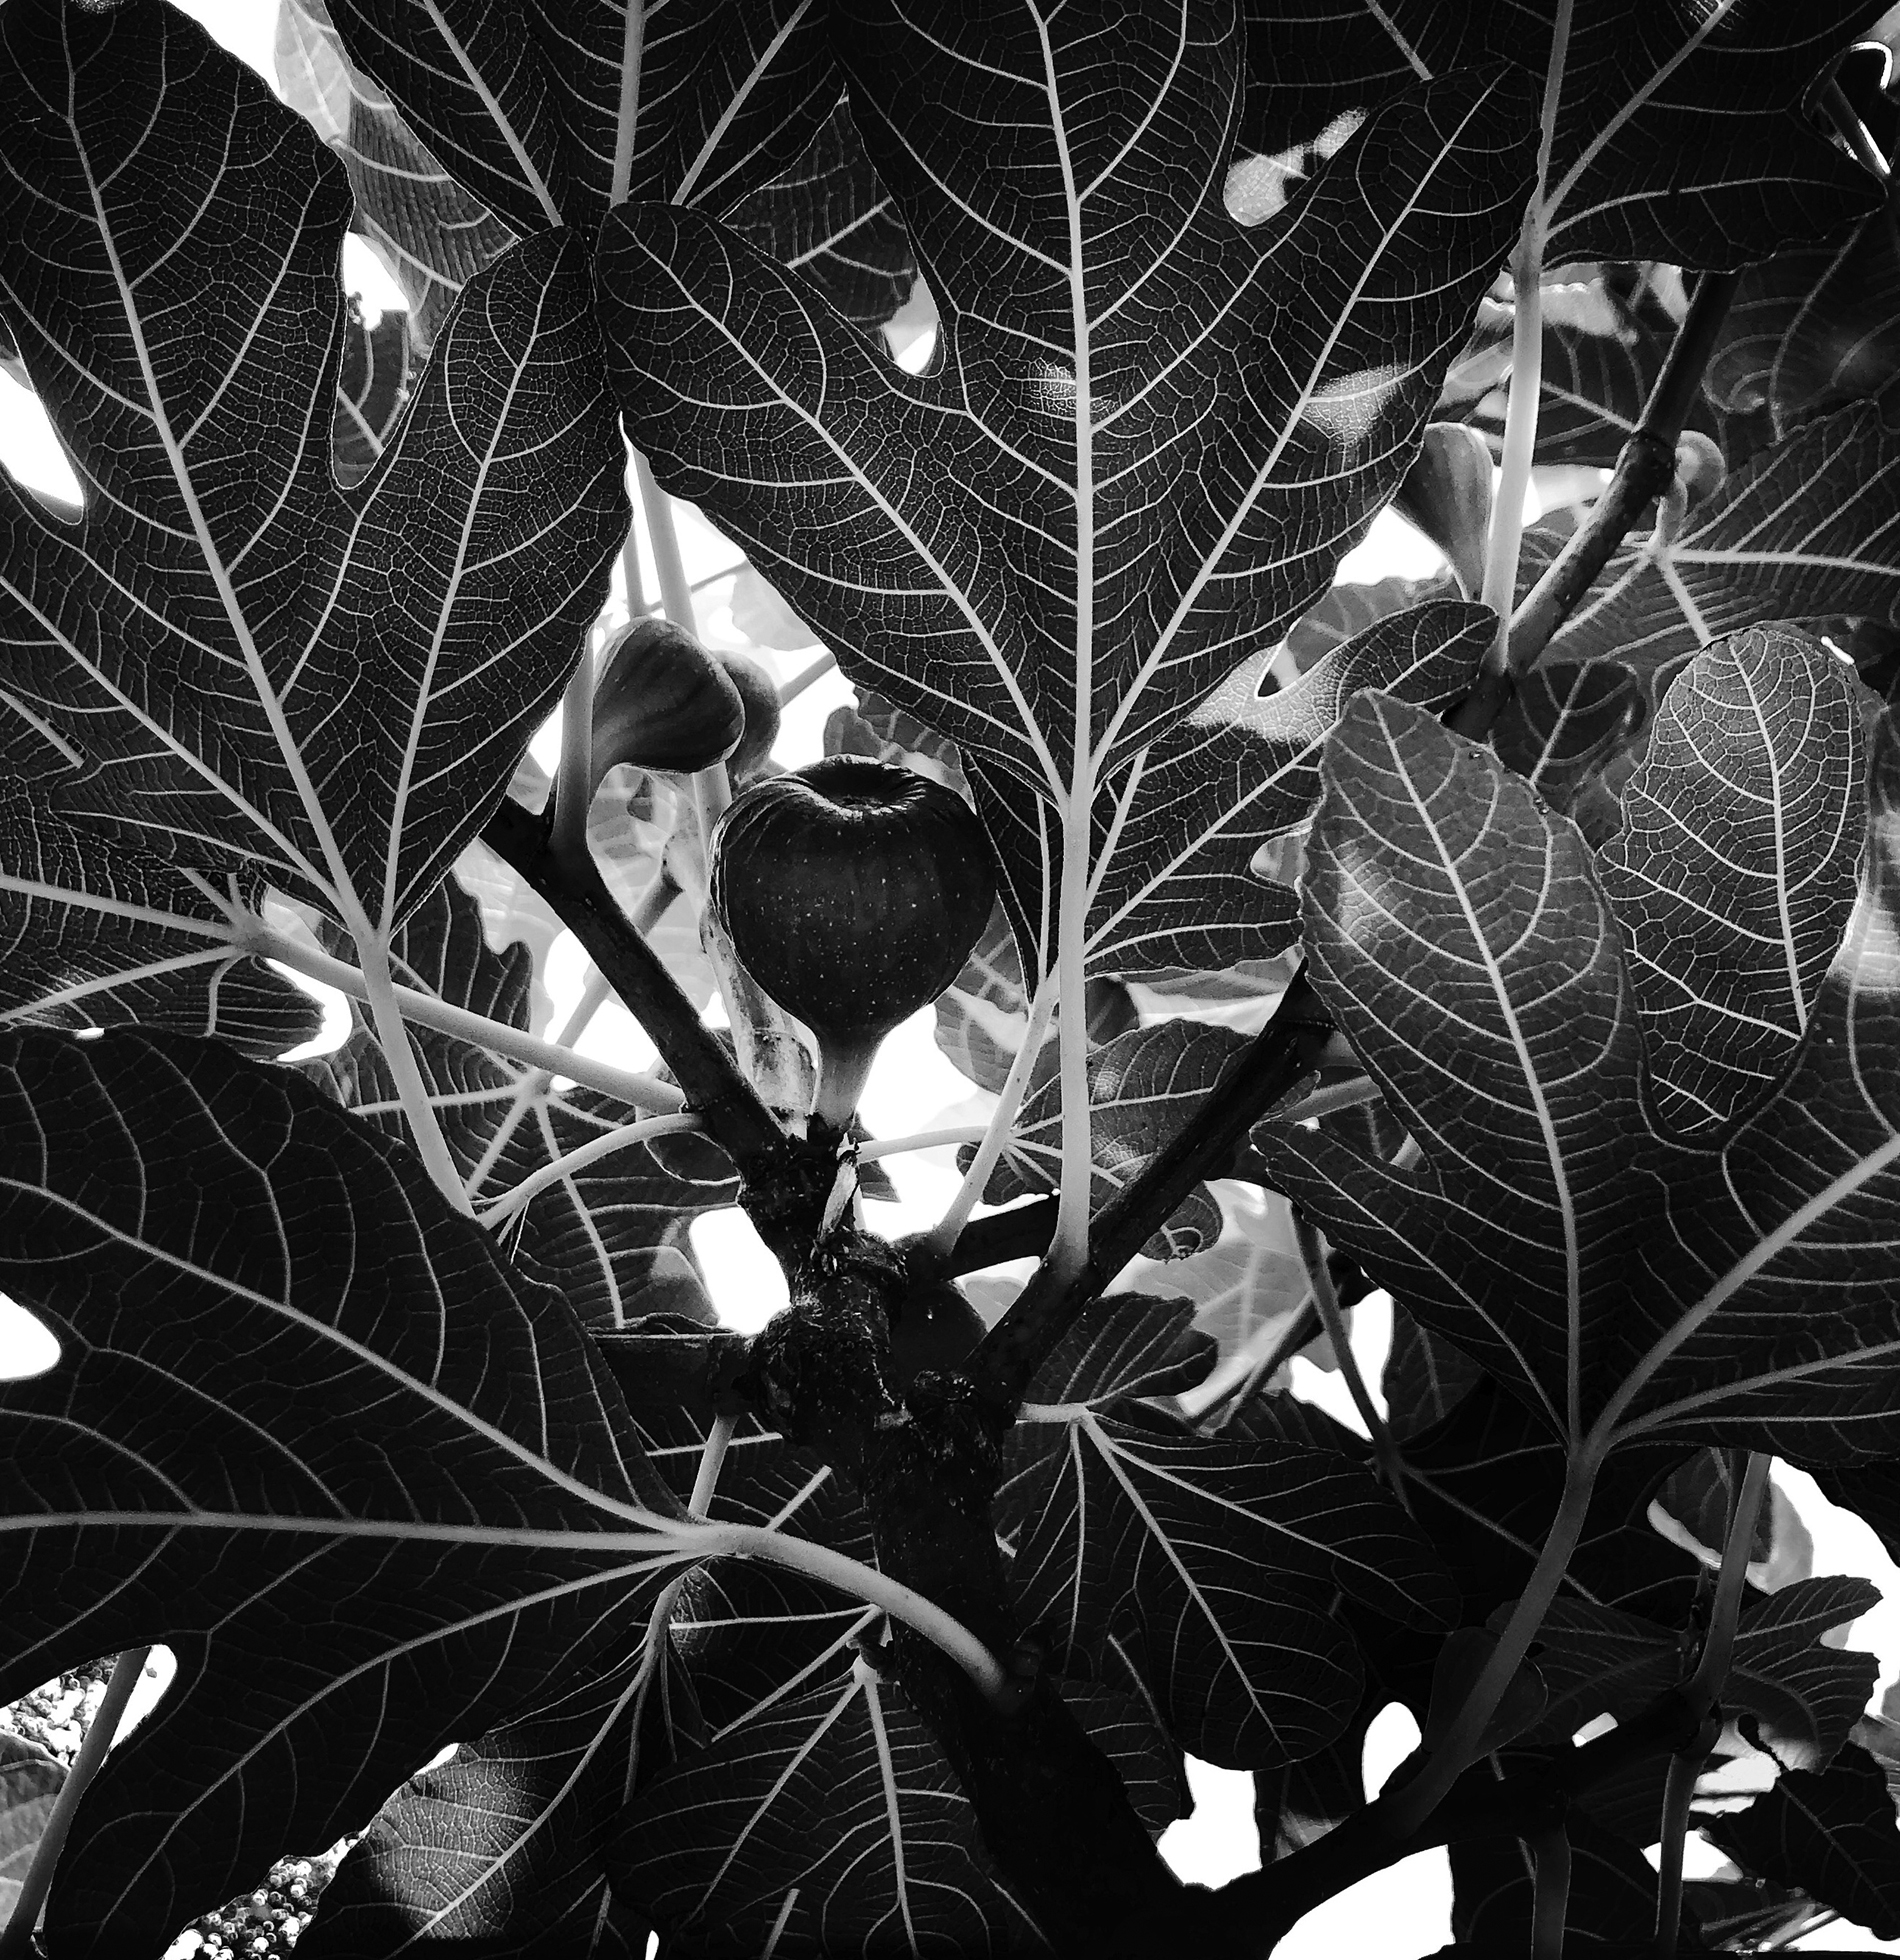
x,y
1777,541
1142,1087
1206,1567
974,543
829,216
1679,133
1734,872
521,103
376,1487
29,1781
433,236
229,663
1628,1282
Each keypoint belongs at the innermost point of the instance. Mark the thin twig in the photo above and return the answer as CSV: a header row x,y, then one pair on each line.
x,y
16,1942
1841,113
943,1235
1527,366
1265,1350
630,1086
803,679
1700,1691
711,1081
1551,1902
518,1197
1282,1052
1385,1451
1644,470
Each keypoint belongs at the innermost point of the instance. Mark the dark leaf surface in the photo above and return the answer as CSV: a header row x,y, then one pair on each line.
x,y
499,1850
1612,1892
521,103
1734,873
974,543
1831,1833
373,1487
613,1235
1628,1282
229,663
1808,530
829,217
1142,1087
831,1823
1206,1567
1804,1696
1679,130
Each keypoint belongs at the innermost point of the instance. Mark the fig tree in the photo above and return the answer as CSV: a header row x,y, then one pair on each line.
x,y
852,892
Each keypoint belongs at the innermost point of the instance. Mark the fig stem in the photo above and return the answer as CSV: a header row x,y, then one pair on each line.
x,y
844,1066
944,1234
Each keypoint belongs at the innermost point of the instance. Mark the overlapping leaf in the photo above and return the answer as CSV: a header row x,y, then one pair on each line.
x,y
433,235
978,543
1193,811
522,103
500,1848
1802,1697
1142,1087
1605,338
1625,1280
1565,719
228,665
1832,1833
1204,1567
1612,1897
1809,331
1679,132
829,216
1777,541
613,1234
373,1487
1734,872
29,1781
832,1823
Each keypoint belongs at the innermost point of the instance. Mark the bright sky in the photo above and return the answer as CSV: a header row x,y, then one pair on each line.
x,y
1399,1915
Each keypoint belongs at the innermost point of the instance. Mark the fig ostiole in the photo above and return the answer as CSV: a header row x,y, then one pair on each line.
x,y
664,703
852,892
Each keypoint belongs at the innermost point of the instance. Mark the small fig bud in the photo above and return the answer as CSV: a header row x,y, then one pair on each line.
x,y
852,892
759,694
664,702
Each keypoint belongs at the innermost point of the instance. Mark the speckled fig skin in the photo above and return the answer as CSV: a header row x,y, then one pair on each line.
x,y
664,702
853,891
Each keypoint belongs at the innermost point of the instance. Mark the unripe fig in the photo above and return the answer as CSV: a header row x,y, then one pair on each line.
x,y
758,691
852,892
664,702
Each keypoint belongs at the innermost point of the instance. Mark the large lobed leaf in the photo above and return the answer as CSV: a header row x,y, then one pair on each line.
x,y
1628,1280
1679,130
375,1489
1202,1570
228,671
978,543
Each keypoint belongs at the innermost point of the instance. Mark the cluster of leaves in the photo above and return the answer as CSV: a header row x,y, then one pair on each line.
x,y
390,1396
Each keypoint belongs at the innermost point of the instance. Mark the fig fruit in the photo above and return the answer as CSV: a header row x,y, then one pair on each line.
x,y
758,692
664,702
852,892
